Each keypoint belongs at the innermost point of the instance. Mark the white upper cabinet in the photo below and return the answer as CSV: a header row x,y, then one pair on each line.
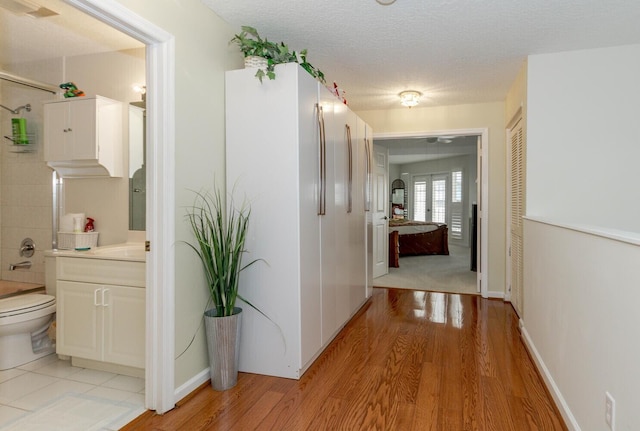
x,y
83,137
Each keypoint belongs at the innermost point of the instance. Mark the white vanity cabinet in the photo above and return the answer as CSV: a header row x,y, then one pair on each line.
x,y
83,137
101,310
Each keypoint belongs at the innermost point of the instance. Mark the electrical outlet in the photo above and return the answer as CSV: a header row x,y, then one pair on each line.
x,y
610,411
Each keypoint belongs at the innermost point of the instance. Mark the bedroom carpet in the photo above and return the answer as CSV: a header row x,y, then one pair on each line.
x,y
436,273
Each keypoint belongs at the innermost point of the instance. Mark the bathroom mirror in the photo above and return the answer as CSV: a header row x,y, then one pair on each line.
x,y
137,168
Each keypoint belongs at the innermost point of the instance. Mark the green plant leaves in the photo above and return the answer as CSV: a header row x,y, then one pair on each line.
x,y
252,44
220,236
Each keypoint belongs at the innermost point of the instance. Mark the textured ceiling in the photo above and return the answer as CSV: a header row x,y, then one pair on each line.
x,y
453,51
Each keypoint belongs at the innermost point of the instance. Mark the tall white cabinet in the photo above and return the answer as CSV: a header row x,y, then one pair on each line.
x,y
288,157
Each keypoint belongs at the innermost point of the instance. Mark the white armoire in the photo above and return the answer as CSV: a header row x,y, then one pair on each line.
x,y
294,155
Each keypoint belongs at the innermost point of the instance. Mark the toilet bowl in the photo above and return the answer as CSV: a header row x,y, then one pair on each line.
x,y
24,320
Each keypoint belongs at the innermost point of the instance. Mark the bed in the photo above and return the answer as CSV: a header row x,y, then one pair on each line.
x,y
412,238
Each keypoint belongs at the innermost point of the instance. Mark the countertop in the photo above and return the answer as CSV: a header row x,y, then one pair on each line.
x,y
129,251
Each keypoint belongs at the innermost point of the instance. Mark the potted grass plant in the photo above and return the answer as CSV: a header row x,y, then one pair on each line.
x,y
265,55
219,243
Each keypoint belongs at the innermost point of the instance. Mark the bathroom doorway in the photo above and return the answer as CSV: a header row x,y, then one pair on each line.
x,y
160,227
160,192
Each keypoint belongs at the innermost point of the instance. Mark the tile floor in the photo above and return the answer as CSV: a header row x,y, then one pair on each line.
x,y
38,383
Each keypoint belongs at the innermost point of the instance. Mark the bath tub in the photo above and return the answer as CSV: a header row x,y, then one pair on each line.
x,y
12,288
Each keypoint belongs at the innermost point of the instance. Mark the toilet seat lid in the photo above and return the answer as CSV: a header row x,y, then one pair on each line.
x,y
25,304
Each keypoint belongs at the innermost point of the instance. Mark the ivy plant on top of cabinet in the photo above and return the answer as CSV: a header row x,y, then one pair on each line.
x,y
83,137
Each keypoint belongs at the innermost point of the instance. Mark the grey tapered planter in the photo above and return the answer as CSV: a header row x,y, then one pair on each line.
x,y
223,343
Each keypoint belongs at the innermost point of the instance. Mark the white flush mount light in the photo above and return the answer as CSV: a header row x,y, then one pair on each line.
x,y
386,2
410,98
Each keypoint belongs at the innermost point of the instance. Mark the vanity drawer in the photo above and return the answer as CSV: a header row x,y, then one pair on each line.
x,y
102,271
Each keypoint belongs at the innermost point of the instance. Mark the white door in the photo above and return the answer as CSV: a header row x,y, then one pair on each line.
x,y
379,211
516,192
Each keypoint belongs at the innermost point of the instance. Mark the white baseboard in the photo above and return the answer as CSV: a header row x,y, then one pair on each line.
x,y
192,384
568,417
495,294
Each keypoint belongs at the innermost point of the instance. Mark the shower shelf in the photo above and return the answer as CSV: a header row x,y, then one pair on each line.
x,y
23,148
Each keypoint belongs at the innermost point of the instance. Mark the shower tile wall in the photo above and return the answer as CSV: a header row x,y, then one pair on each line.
x,y
25,187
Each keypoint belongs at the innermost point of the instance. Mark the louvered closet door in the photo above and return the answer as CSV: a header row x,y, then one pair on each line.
x,y
517,211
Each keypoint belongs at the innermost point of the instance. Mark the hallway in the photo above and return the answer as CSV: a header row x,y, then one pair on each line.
x,y
410,360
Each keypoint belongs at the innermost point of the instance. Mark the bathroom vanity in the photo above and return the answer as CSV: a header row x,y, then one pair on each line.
x,y
101,307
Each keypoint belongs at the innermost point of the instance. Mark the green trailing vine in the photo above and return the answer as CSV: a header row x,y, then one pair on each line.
x,y
252,44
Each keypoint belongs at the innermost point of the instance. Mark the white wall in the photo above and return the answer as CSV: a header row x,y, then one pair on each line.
x,y
581,298
202,56
585,142
581,290
441,118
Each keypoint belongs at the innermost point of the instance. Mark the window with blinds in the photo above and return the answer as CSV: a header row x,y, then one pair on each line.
x,y
420,199
439,200
456,205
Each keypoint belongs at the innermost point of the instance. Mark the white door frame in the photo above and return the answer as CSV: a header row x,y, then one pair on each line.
x,y
483,190
160,267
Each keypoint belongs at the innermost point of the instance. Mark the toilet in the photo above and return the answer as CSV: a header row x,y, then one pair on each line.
x,y
24,320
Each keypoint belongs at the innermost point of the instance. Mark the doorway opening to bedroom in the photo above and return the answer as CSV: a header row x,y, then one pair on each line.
x,y
434,192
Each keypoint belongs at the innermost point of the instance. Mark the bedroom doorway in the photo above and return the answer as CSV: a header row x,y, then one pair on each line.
x,y
444,184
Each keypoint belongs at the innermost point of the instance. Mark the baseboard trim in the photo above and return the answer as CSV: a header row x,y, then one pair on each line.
x,y
495,294
192,384
569,419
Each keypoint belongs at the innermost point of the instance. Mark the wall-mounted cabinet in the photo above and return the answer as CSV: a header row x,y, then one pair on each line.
x,y
83,137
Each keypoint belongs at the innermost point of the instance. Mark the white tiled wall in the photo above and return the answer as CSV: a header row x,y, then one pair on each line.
x,y
25,187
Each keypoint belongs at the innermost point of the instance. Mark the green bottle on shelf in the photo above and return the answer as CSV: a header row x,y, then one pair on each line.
x,y
19,130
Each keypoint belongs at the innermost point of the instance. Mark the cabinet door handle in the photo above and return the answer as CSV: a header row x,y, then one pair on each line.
x,y
367,180
350,173
95,297
323,161
105,302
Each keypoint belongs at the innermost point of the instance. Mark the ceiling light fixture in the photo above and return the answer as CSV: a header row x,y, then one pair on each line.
x,y
410,98
386,2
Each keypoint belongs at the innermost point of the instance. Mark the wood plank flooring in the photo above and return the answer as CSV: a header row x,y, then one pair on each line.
x,y
410,360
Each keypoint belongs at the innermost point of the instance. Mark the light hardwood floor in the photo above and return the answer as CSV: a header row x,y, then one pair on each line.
x,y
408,360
